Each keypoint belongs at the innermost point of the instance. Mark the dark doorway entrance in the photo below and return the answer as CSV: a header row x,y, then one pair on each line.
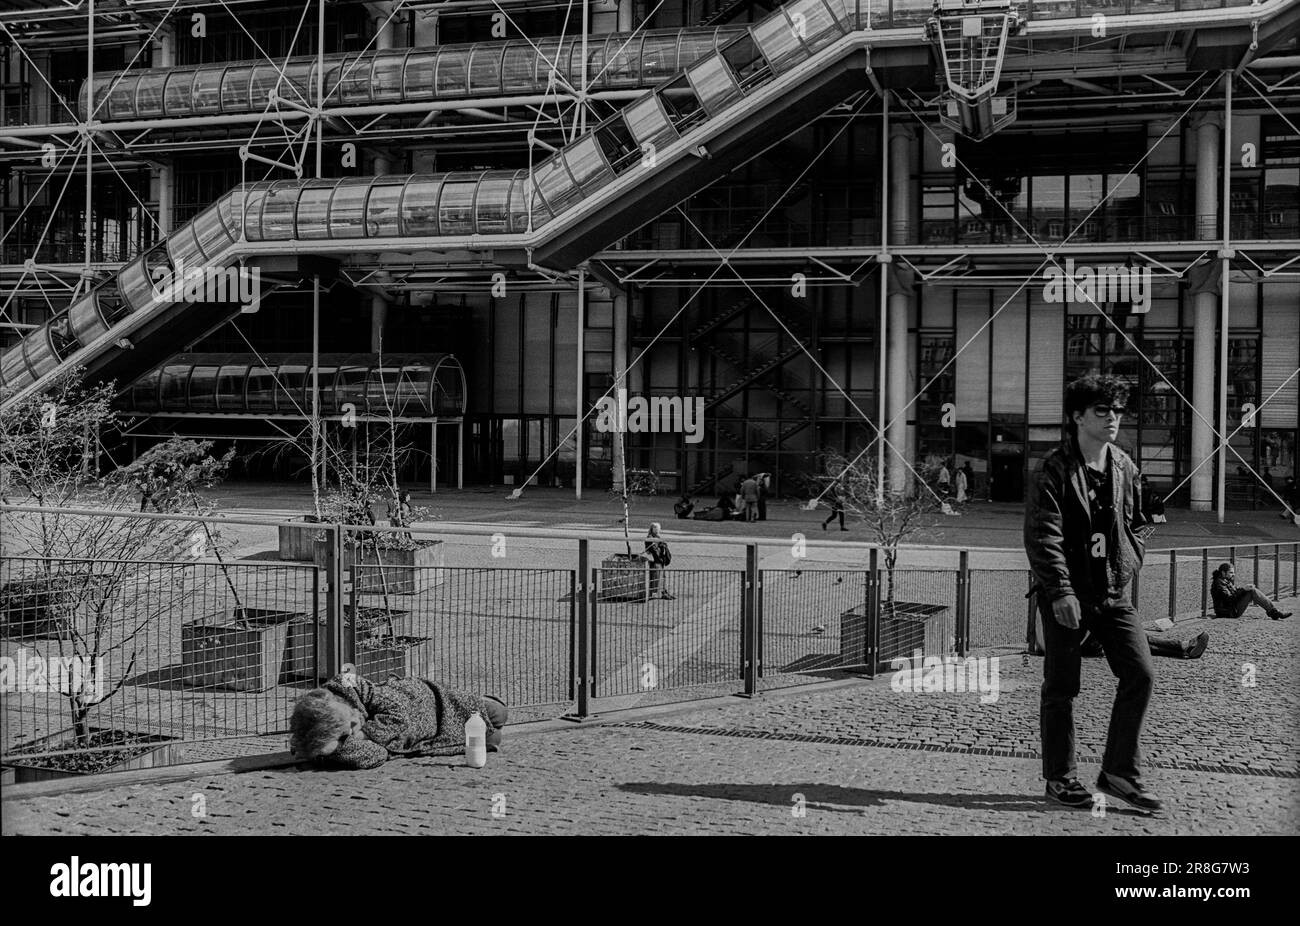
x,y
1008,474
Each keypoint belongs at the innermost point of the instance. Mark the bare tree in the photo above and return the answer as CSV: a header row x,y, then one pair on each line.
x,y
890,513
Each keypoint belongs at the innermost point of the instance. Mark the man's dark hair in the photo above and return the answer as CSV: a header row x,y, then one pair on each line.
x,y
1094,389
1223,569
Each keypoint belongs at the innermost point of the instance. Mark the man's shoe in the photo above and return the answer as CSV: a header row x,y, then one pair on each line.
x,y
1069,792
1196,647
1278,615
1132,794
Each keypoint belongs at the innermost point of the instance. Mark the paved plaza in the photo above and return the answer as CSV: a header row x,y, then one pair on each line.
x,y
845,757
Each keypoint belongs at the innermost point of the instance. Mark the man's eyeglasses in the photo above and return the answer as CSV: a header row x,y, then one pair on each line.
x,y
1105,411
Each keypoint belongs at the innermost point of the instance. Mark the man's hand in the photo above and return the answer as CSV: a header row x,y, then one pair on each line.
x,y
1066,612
1248,588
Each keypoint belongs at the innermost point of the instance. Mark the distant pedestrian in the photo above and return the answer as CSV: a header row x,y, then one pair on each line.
x,y
945,479
656,550
1289,497
749,495
961,486
970,478
764,488
1152,503
1231,601
833,499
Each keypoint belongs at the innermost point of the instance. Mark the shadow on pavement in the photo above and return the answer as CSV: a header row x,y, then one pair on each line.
x,y
849,800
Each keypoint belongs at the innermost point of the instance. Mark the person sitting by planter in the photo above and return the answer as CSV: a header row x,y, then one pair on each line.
x,y
353,723
1231,601
656,550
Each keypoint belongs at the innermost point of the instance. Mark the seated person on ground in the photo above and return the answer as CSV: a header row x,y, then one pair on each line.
x,y
683,507
353,723
1231,601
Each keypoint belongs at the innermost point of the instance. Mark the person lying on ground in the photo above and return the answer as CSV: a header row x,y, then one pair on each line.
x,y
353,723
1232,601
1191,648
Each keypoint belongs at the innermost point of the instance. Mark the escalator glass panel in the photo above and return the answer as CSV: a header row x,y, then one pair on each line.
x,y
148,94
587,164
346,208
211,233
518,204
746,61
296,85
485,69
265,77
517,67
456,207
144,277
548,52
776,37
234,89
681,103
658,57
253,200
381,209
555,184
87,324
260,389
313,210
108,305
595,61
819,27
386,81
206,93
420,207
417,82
144,394
452,79
624,62
713,83
38,352
278,212
178,93
648,122
290,386
491,216
121,99
356,79
203,388
62,337
172,387
230,387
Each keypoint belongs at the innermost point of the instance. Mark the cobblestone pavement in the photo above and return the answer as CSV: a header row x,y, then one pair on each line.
x,y
1222,749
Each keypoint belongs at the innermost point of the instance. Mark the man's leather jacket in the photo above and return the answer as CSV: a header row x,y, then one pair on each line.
x,y
1224,592
1058,523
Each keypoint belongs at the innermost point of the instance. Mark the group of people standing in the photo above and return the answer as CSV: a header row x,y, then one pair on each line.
x,y
956,485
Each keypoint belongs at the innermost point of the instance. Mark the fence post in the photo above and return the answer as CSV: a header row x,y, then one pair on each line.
x,y
873,611
334,600
315,623
585,602
1276,572
1205,581
1173,583
574,584
1031,632
1255,579
963,604
1295,569
749,620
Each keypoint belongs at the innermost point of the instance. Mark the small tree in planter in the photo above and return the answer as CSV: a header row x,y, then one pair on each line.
x,y
626,576
93,577
891,514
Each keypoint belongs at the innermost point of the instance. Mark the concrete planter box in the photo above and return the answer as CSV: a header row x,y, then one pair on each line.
x,y
388,570
404,657
28,608
623,578
905,628
298,543
218,653
300,646
19,771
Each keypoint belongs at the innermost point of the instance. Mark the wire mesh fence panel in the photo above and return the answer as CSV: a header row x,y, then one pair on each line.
x,y
1152,599
110,655
813,619
998,607
1191,580
667,631
919,615
505,632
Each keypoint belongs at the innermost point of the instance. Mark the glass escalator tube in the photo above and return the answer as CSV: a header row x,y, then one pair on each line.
x,y
38,352
484,69
178,92
778,37
347,208
312,218
419,208
149,93
383,206
456,204
277,215
492,203
253,199
355,80
206,91
87,320
714,83
517,202
386,83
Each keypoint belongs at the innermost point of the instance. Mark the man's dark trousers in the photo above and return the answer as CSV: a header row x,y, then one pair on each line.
x,y
1115,623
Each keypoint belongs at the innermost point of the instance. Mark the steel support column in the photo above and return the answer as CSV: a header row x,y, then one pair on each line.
x,y
1207,167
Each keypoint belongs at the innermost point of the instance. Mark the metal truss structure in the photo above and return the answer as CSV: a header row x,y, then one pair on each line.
x,y
611,140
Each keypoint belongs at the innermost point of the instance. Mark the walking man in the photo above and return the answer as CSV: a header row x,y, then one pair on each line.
x,y
1081,524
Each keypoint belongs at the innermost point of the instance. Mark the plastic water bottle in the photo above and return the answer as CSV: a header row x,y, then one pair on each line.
x,y
475,741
